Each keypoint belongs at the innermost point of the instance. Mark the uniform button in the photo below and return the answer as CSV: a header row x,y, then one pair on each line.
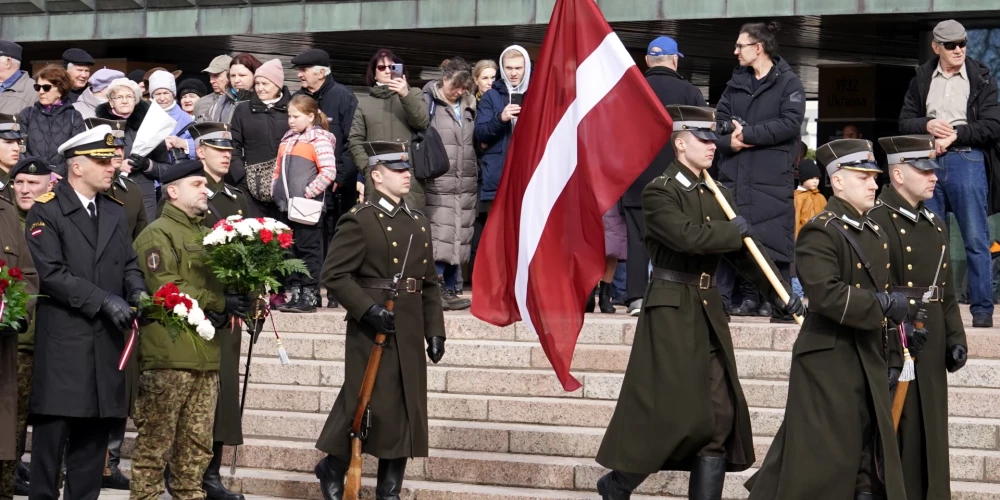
x,y
395,261
939,230
857,285
909,284
381,215
908,249
393,243
902,231
945,265
425,245
209,212
893,216
859,265
875,228
701,190
6,249
704,302
423,229
912,302
708,218
885,246
425,261
388,228
416,218
887,265
845,226
909,267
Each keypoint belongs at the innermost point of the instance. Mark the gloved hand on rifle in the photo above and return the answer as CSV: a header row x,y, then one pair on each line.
x,y
745,229
138,163
915,338
895,306
435,349
794,305
956,357
381,318
238,304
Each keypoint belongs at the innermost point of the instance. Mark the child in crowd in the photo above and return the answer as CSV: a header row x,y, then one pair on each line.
x,y
809,202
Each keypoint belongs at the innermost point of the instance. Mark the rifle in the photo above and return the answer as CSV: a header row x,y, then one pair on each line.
x,y
909,371
362,415
258,313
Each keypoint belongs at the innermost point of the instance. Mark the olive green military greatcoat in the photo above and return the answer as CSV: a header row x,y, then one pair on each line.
x,y
128,193
371,242
916,239
838,385
224,201
6,186
665,414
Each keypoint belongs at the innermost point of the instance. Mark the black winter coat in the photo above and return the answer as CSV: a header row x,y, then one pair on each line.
x,y
257,131
338,103
670,88
761,178
982,114
47,130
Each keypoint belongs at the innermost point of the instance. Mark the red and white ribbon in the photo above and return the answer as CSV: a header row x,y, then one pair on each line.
x,y
129,345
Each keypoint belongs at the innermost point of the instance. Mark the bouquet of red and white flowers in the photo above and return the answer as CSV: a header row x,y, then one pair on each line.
x,y
247,254
13,297
179,313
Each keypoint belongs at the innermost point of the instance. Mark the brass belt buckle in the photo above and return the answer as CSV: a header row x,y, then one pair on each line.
x,y
411,285
704,281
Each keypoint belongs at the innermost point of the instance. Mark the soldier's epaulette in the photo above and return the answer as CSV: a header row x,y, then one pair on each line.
x,y
112,198
46,197
6,199
235,189
823,218
127,179
360,206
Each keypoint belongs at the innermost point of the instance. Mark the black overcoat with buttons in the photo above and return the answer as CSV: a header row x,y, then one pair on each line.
x,y
838,390
371,242
79,264
664,414
128,193
917,238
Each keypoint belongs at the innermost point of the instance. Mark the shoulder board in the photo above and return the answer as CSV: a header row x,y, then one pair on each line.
x,y
823,217
112,198
128,179
5,199
46,197
361,206
418,212
235,189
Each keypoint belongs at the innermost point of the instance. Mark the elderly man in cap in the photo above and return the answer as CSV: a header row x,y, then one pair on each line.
x,y
16,86
218,76
954,98
10,151
90,282
78,63
97,92
837,441
919,256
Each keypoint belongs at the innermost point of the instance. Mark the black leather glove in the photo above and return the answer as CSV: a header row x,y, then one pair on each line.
x,y
218,320
237,304
894,306
893,380
956,357
794,305
118,311
744,226
19,326
138,163
382,319
915,338
435,349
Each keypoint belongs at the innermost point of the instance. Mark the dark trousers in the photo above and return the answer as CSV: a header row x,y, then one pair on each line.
x,y
308,246
116,437
637,264
477,231
84,441
727,279
336,204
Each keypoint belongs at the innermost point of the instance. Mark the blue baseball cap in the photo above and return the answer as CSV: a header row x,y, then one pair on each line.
x,y
666,47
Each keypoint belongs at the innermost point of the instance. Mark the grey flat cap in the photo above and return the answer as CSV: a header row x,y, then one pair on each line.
x,y
949,31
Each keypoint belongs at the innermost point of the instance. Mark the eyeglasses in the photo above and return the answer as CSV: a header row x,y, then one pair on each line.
x,y
741,46
43,88
383,67
123,98
951,45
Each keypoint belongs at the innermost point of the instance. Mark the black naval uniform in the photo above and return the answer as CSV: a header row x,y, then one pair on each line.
x,y
917,240
837,440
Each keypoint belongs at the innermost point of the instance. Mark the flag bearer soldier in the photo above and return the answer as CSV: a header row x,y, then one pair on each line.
x,y
80,243
681,405
178,382
918,247
123,188
368,248
11,145
837,440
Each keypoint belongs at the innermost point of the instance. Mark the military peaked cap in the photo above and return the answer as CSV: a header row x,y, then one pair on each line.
x,y
915,150
391,155
699,120
849,154
214,134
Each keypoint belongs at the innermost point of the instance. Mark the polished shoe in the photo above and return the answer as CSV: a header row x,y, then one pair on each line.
x,y
20,486
617,485
211,482
308,298
452,302
294,292
390,478
766,310
591,301
635,307
749,307
330,472
604,299
331,301
708,474
116,480
982,320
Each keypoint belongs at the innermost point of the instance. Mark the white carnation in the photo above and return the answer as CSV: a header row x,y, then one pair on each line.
x,y
206,330
234,218
180,310
196,316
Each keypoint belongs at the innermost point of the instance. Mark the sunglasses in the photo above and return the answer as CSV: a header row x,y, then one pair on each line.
x,y
951,45
383,67
43,88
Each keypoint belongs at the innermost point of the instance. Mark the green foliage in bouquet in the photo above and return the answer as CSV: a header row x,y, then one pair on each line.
x,y
247,255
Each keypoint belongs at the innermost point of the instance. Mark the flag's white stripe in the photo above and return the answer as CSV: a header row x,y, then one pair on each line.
x,y
595,77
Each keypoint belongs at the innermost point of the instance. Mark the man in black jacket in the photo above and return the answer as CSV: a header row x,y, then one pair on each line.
x,y
662,57
338,103
954,98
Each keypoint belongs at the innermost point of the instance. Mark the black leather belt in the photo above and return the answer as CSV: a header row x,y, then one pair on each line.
x,y
917,292
703,281
409,285
960,149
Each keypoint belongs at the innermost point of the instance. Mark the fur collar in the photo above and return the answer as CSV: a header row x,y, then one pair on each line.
x,y
132,122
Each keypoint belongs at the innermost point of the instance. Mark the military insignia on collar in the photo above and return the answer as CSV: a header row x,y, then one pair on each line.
x,y
683,180
907,213
385,204
153,260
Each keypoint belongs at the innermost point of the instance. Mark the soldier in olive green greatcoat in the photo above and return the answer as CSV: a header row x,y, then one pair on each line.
x,y
369,248
681,405
11,146
918,250
837,440
178,384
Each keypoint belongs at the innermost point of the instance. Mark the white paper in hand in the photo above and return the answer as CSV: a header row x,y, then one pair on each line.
x,y
154,129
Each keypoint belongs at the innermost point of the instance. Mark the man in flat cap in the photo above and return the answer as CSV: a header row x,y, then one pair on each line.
x,y
701,422
16,86
11,143
953,97
78,63
178,381
837,440
218,76
360,272
918,250
79,241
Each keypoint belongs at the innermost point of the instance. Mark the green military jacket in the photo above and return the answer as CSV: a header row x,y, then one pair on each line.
x,y
223,201
26,340
170,250
917,240
6,186
127,192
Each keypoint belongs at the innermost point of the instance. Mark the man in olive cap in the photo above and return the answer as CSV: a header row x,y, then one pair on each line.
x,y
78,63
16,86
11,144
218,76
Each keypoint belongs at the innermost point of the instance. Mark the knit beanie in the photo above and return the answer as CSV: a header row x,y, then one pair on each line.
x,y
162,80
808,170
191,86
272,71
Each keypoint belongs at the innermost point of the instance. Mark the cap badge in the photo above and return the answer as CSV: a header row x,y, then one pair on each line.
x,y
227,135
109,140
32,168
871,157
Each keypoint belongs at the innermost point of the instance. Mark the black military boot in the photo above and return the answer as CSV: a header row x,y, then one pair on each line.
x,y
390,478
749,307
294,292
617,485
331,301
307,301
21,475
708,474
211,482
604,302
766,309
115,480
591,301
330,472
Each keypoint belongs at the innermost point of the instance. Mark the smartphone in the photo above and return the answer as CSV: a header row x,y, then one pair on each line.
x,y
516,99
397,70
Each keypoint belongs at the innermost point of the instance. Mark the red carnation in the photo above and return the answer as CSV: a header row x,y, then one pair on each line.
x,y
167,290
3,285
261,220
15,273
171,300
228,227
218,223
3,262
187,302
266,236
285,240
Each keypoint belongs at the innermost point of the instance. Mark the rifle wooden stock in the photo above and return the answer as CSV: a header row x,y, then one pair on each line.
x,y
899,399
752,246
353,482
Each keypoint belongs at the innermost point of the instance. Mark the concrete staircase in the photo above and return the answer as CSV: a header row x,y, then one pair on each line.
x,y
502,428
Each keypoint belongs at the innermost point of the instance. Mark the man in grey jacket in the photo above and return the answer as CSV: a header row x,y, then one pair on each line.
x,y
16,87
218,75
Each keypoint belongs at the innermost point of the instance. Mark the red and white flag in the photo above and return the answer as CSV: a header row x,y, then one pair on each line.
x,y
589,126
